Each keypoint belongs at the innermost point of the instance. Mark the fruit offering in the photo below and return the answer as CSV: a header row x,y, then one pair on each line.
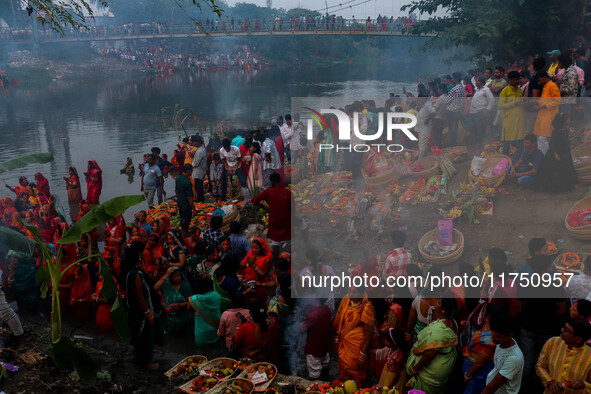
x,y
236,387
189,367
242,364
223,370
202,383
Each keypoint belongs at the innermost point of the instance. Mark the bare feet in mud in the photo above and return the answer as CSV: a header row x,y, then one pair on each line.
x,y
153,367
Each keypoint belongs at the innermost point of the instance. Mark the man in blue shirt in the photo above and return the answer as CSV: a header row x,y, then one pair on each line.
x,y
161,163
151,180
240,245
526,169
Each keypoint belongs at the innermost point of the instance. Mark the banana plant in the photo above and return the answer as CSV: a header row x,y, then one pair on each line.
x,y
65,353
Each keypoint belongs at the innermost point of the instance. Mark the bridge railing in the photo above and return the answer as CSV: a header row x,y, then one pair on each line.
x,y
219,28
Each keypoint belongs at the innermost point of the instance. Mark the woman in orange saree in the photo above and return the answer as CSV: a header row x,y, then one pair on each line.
x,y
353,324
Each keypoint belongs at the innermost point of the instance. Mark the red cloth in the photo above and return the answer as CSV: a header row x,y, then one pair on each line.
x,y
577,218
317,325
244,165
279,200
280,148
94,182
103,314
263,349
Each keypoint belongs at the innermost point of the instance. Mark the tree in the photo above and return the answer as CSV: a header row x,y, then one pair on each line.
x,y
61,14
58,15
500,29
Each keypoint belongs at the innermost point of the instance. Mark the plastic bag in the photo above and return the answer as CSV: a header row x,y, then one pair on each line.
x,y
477,165
446,229
500,167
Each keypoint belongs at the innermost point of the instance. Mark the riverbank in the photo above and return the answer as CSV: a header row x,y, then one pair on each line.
x,y
120,374
41,69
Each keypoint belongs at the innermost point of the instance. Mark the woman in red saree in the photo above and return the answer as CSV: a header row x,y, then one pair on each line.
x,y
104,322
354,324
73,186
115,234
42,185
94,182
81,292
256,266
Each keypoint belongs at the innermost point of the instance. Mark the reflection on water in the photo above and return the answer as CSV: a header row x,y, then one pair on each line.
x,y
113,120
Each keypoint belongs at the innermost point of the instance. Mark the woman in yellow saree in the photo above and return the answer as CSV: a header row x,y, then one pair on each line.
x,y
433,356
353,324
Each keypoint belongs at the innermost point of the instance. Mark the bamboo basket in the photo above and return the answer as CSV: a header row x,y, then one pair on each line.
x,y
433,235
432,165
382,180
582,169
218,362
490,163
200,360
187,386
455,153
580,268
584,232
262,386
229,218
580,151
246,384
294,175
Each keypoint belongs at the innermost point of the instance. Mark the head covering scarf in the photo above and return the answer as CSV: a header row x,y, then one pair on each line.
x,y
94,166
249,273
82,286
177,247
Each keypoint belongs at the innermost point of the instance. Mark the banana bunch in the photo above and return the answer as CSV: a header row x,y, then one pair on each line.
x,y
487,191
454,213
175,221
464,187
447,167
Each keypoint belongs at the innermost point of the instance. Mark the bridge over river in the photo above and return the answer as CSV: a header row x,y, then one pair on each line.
x,y
156,31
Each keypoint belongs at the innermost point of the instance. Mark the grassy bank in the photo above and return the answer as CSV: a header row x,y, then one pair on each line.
x,y
30,76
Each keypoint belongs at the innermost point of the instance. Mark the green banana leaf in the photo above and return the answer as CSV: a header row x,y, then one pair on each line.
x,y
11,239
118,311
25,160
119,317
100,214
109,288
66,354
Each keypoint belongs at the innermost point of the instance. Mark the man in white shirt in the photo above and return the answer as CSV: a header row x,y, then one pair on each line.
x,y
505,377
271,160
230,156
480,105
298,150
286,135
580,285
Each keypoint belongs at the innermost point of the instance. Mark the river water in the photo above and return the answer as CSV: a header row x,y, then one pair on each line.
x,y
113,120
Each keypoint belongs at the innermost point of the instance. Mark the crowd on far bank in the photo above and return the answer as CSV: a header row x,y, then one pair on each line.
x,y
168,57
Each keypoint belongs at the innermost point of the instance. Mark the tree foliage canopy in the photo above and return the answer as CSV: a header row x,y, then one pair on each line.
x,y
63,13
500,29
